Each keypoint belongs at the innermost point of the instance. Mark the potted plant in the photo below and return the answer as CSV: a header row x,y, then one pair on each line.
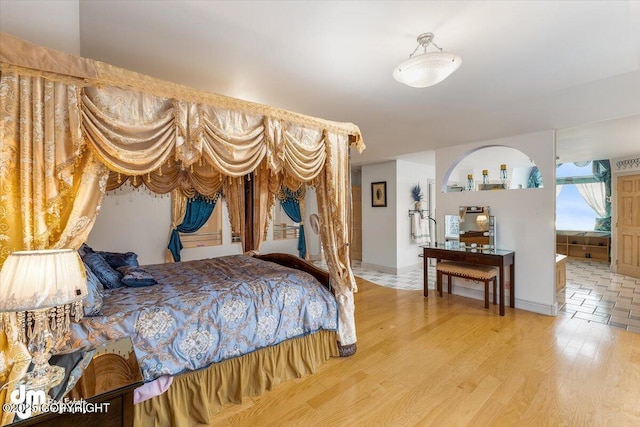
x,y
416,194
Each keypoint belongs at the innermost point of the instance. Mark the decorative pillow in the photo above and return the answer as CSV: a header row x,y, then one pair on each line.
x,y
84,249
117,259
136,277
109,277
92,304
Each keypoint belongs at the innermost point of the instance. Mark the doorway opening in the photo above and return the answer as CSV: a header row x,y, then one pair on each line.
x,y
593,289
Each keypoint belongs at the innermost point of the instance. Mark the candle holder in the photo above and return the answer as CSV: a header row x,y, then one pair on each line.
x,y
485,176
503,174
470,183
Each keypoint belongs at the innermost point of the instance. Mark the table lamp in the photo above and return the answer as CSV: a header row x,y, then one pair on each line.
x,y
44,288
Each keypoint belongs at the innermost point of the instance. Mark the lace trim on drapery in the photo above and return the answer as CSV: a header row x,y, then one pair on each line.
x,y
208,199
286,193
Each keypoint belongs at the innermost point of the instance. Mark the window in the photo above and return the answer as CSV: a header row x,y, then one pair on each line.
x,y
572,211
283,226
209,235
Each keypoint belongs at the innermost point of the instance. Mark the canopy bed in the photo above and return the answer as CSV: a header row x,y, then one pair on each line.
x,y
73,128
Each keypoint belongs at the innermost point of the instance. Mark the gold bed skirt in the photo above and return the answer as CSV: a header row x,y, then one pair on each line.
x,y
195,397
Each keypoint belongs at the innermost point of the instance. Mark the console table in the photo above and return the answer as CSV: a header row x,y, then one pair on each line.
x,y
452,251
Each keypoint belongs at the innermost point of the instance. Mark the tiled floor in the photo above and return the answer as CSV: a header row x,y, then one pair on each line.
x,y
408,281
595,294
411,281
592,294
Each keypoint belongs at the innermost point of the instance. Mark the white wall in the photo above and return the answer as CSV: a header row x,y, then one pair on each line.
x,y
408,175
386,231
53,24
525,218
139,221
379,251
133,220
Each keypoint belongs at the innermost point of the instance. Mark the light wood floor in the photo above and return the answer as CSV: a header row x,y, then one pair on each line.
x,y
449,362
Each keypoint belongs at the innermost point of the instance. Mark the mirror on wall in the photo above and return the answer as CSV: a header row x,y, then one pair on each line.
x,y
493,168
473,227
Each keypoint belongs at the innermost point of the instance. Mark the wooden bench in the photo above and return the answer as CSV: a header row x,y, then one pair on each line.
x,y
481,273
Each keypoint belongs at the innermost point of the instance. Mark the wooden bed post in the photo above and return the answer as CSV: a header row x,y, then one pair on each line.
x,y
247,242
350,204
352,139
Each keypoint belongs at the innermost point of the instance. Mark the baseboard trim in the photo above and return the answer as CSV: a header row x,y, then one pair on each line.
x,y
391,270
410,268
380,268
535,307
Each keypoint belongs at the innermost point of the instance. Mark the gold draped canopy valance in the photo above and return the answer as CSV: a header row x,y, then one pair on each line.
x,y
71,128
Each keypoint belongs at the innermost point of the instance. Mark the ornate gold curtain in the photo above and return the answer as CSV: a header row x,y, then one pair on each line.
x,y
233,190
131,132
52,187
71,128
333,202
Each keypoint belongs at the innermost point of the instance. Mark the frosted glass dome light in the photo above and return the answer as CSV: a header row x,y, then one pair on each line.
x,y
428,68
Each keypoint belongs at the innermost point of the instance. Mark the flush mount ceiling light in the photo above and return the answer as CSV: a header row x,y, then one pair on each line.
x,y
426,69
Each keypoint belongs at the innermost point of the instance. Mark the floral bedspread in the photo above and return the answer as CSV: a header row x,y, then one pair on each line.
x,y
209,310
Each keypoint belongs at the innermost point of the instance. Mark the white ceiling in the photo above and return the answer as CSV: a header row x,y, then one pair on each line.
x,y
526,65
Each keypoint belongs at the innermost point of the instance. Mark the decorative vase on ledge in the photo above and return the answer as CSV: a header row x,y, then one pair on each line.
x,y
416,194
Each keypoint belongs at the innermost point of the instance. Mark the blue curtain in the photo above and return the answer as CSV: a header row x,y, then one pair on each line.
x,y
602,172
291,207
198,212
535,178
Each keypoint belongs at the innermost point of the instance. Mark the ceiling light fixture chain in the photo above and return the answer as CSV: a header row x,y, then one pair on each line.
x,y
424,40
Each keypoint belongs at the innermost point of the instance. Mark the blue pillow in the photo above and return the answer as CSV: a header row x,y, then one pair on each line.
x,y
136,277
117,259
92,304
109,277
84,249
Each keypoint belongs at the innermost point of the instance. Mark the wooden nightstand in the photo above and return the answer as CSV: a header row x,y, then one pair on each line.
x,y
111,377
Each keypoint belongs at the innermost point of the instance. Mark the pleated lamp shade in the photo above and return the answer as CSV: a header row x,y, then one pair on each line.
x,y
33,280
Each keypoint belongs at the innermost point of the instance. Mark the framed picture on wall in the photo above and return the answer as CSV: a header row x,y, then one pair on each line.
x,y
379,194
